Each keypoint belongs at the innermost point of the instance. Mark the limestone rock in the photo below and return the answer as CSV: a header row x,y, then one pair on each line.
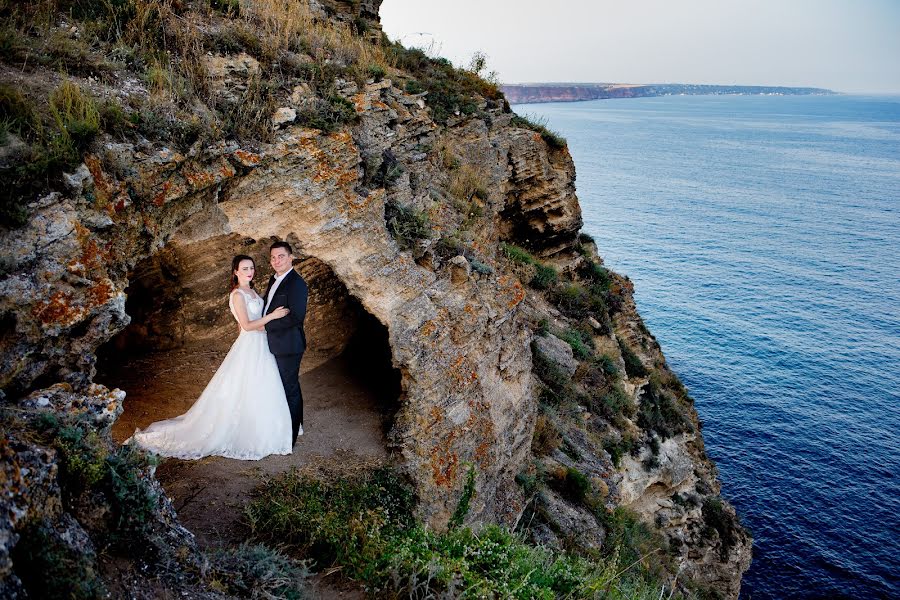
x,y
558,351
283,116
459,269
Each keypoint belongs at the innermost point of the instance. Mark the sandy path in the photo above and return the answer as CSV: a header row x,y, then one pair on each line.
x,y
343,432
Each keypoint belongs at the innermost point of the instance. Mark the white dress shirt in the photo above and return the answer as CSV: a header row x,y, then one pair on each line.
x,y
271,295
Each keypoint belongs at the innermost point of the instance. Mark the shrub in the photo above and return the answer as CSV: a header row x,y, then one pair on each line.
x,y
551,138
462,507
544,277
257,571
348,521
546,437
364,525
617,448
572,299
51,568
133,500
659,413
574,485
328,114
516,254
406,224
717,520
480,267
597,274
450,90
633,365
607,365
614,404
581,341
88,466
382,173
558,387
376,72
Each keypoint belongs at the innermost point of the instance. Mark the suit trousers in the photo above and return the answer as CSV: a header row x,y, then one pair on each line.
x,y
289,368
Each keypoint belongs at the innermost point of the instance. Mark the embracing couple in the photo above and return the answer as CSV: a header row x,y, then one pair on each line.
x,y
252,406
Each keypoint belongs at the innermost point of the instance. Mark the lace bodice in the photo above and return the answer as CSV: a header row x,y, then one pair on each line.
x,y
254,304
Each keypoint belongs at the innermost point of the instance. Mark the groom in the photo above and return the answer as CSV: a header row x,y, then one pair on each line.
x,y
287,340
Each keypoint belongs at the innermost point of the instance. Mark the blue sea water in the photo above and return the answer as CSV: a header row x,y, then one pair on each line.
x,y
763,237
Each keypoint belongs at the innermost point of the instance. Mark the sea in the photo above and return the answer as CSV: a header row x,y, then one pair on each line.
x,y
762,234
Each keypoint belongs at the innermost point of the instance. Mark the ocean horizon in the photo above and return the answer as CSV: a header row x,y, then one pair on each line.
x,y
762,236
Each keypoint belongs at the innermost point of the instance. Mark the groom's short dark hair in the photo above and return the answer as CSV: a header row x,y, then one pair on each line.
x,y
284,245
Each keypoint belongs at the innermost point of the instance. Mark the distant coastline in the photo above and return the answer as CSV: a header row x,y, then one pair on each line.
x,y
526,93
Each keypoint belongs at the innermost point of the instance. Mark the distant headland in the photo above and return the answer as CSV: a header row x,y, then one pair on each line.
x,y
523,93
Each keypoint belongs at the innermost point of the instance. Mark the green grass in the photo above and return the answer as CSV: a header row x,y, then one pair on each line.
x,y
633,365
544,277
258,571
550,137
517,254
450,90
659,412
406,224
365,526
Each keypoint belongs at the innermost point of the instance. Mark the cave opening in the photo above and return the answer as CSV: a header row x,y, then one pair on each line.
x,y
181,329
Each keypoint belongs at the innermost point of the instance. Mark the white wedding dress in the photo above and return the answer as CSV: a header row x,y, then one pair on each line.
x,y
241,414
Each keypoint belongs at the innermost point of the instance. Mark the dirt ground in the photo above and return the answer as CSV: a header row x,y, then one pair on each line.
x,y
343,432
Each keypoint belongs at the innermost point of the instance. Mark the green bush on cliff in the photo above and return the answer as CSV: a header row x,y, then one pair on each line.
x,y
88,466
633,365
544,277
660,413
257,571
364,525
552,139
450,90
718,521
51,568
407,224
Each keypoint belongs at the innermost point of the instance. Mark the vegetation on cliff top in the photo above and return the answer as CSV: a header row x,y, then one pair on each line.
x,y
132,69
365,526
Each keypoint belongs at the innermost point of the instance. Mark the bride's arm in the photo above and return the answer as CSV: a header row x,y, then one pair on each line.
x,y
240,308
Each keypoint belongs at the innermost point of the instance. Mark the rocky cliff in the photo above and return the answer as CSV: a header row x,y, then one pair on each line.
x,y
186,132
524,93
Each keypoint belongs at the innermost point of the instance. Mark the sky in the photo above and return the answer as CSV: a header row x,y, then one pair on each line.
x,y
843,45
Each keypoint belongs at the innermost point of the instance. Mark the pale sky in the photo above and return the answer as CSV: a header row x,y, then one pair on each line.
x,y
844,45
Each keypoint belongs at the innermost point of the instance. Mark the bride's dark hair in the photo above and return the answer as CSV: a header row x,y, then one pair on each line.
x,y
235,263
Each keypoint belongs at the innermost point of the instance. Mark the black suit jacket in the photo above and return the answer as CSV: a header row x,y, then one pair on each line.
x,y
286,335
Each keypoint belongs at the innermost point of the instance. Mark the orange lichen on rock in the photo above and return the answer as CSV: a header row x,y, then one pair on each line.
x,y
100,293
93,257
513,292
199,179
58,310
103,189
427,328
246,159
463,372
444,462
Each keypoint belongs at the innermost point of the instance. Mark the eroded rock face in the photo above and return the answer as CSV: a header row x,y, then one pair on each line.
x,y
460,345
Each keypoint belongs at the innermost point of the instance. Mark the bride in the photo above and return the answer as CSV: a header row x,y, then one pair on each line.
x,y
243,412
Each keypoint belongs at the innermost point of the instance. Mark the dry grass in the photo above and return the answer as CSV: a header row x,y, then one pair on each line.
x,y
547,437
468,181
291,25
